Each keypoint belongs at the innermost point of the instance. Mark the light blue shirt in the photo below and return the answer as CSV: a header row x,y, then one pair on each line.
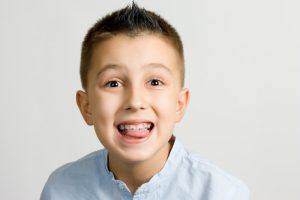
x,y
185,176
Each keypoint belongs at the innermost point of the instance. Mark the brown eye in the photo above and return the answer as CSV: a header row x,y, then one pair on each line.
x,y
156,82
112,84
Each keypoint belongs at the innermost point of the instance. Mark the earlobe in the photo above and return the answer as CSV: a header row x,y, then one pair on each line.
x,y
183,101
83,105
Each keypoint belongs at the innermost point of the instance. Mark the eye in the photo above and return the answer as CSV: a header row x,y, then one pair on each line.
x,y
112,83
156,82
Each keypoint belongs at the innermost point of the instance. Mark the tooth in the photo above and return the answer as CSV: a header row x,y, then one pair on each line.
x,y
140,127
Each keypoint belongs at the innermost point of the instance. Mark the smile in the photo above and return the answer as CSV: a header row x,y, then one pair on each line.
x,y
134,132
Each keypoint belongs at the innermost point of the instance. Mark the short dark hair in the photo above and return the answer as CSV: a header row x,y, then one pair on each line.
x,y
131,21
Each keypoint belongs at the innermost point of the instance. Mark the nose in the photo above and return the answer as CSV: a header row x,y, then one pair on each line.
x,y
135,99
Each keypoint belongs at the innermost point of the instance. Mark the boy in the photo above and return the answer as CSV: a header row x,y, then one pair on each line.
x,y
132,73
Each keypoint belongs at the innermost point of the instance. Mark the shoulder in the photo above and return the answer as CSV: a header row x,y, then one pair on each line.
x,y
70,177
214,180
79,166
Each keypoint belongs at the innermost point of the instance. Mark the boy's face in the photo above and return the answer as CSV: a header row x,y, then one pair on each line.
x,y
134,79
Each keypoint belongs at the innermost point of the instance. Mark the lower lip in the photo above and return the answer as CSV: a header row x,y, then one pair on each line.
x,y
133,140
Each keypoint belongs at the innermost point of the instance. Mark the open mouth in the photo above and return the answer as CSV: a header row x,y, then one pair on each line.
x,y
134,132
138,130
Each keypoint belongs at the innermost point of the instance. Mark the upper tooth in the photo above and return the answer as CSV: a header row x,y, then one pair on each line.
x,y
135,126
122,127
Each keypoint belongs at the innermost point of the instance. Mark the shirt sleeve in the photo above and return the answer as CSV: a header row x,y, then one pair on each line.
x,y
241,193
46,194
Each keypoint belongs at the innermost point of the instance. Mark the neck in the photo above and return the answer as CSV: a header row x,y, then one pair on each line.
x,y
134,175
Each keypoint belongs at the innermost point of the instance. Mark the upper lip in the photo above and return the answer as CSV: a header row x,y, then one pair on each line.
x,y
134,121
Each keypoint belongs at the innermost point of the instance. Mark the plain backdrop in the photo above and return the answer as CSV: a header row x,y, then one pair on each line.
x,y
242,67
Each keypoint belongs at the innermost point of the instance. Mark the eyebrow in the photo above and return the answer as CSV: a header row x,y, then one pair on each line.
x,y
116,67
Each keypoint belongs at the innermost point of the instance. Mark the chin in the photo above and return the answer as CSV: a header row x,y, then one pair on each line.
x,y
135,156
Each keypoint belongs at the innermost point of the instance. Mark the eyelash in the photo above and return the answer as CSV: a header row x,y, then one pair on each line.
x,y
162,83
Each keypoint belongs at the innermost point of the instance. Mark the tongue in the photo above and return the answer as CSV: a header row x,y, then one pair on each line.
x,y
138,134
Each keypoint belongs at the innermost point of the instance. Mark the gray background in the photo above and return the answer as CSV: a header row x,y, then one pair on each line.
x,y
242,63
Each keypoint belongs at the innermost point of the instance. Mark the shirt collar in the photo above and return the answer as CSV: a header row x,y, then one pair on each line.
x,y
170,166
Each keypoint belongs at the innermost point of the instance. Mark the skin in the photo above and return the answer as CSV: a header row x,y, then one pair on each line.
x,y
135,89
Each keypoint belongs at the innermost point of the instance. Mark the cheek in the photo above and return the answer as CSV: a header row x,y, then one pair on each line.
x,y
104,108
166,116
166,106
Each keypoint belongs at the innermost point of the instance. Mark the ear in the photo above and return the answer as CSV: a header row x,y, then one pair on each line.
x,y
183,101
84,106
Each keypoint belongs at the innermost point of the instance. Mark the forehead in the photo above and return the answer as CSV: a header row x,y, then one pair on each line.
x,y
143,52
120,67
